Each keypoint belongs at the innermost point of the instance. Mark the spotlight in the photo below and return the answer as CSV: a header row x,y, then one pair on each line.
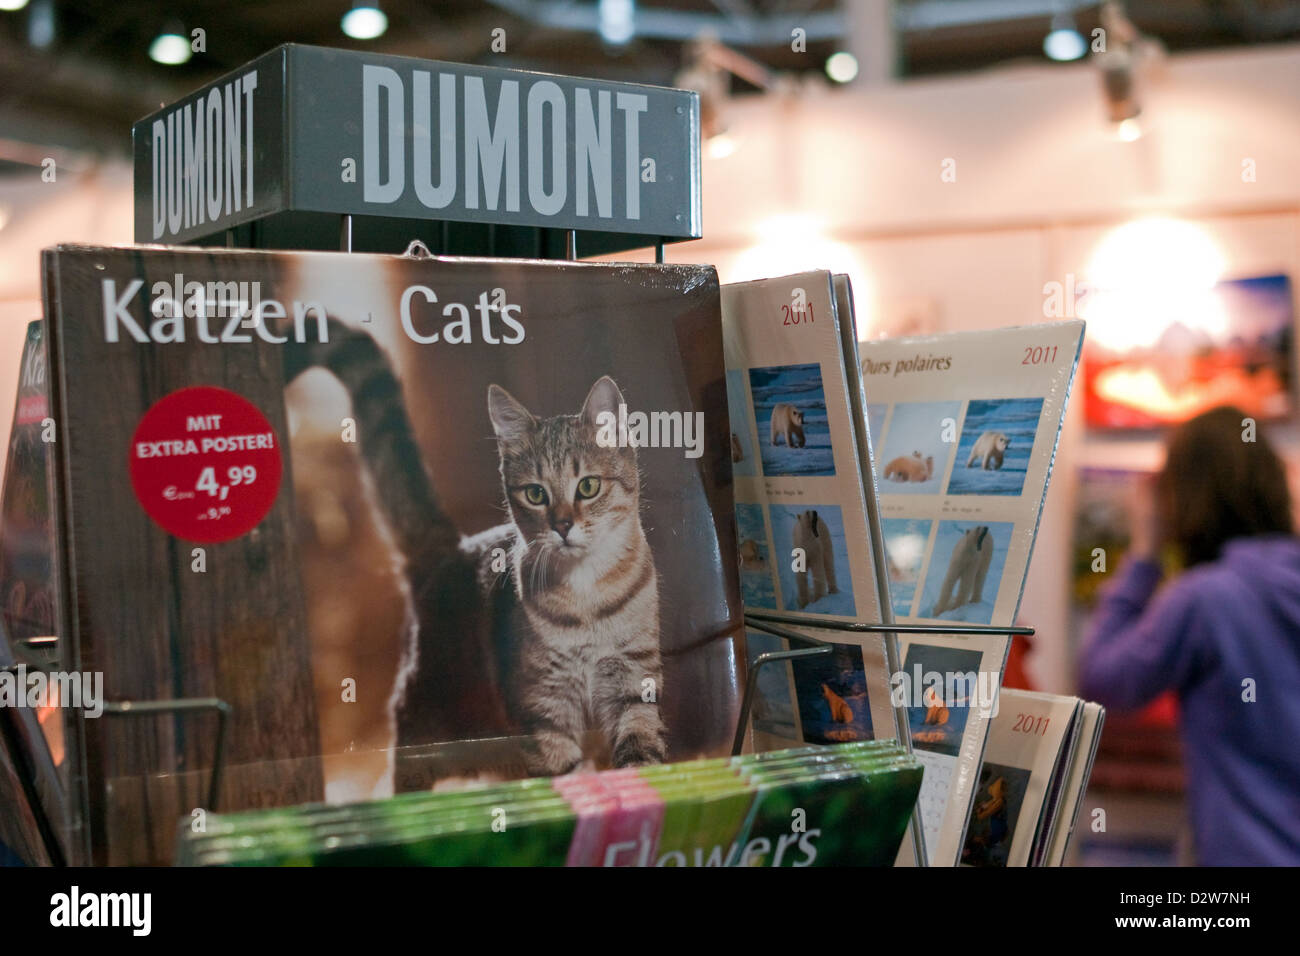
x,y
1129,130
365,21
617,21
1129,60
41,26
1120,89
1148,274
1064,41
11,5
720,146
842,67
708,71
171,47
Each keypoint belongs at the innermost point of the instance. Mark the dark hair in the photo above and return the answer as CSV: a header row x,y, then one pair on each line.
x,y
1217,485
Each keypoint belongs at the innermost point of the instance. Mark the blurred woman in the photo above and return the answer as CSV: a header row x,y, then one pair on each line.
x,y
1223,633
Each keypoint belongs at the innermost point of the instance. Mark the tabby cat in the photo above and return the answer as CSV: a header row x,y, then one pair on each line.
x,y
547,625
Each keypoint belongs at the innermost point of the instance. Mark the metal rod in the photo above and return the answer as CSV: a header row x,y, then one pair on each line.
x,y
571,244
659,252
751,685
151,708
768,627
345,233
30,652
230,238
959,630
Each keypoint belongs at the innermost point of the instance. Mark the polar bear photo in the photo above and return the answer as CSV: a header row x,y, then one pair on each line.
x,y
812,536
794,434
996,448
910,468
967,560
787,426
811,558
989,450
968,568
757,582
917,447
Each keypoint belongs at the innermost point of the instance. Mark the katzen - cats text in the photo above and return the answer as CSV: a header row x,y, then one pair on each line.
x,y
233,312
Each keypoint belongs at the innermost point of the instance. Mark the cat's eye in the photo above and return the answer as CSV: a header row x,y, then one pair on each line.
x,y
589,487
535,494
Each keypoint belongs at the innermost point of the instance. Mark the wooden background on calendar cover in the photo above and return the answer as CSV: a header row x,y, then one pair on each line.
x,y
133,608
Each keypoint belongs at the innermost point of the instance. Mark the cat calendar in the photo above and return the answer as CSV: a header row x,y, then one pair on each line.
x,y
405,503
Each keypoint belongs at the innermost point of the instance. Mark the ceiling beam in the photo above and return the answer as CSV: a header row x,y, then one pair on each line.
x,y
735,29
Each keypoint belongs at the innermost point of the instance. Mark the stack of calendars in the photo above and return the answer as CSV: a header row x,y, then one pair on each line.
x,y
808,806
333,517
943,447
33,810
1036,767
338,465
33,760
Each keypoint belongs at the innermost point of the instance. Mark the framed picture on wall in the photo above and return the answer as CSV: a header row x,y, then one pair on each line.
x,y
1229,345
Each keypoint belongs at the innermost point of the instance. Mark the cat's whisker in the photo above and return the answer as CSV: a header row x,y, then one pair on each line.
x,y
539,570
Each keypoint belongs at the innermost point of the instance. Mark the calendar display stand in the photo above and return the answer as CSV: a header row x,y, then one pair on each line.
x,y
291,104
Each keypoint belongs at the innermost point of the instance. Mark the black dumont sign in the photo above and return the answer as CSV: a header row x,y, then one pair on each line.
x,y
308,129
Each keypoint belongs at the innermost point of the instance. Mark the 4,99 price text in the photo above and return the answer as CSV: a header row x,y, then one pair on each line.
x,y
236,475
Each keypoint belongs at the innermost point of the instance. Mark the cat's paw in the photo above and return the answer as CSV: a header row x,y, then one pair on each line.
x,y
553,755
638,752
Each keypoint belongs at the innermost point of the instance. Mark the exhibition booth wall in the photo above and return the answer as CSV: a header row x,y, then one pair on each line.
x,y
894,185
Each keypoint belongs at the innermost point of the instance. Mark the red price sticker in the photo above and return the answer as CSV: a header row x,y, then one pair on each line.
x,y
205,464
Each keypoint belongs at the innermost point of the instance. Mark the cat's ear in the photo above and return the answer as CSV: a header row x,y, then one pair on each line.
x,y
510,420
603,397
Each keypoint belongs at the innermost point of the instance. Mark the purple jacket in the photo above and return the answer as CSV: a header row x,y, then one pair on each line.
x,y
1204,635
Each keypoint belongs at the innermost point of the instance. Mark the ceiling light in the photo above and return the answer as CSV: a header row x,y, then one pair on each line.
x,y
1067,44
41,27
170,47
1064,40
1157,250
789,244
720,146
1148,274
12,4
842,67
364,22
617,21
1119,87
